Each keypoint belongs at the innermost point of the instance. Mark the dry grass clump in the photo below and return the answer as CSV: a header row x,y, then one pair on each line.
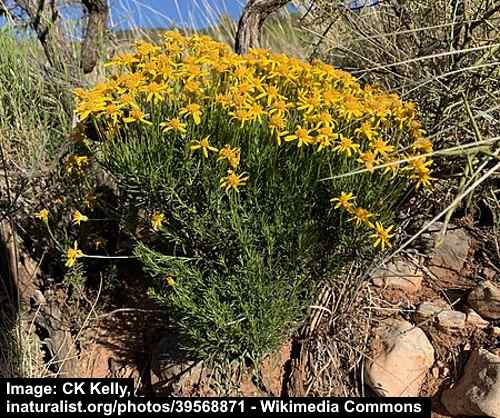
x,y
445,55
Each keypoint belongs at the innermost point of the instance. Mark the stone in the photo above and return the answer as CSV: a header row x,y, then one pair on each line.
x,y
399,274
485,300
451,319
430,310
402,357
475,320
449,254
477,393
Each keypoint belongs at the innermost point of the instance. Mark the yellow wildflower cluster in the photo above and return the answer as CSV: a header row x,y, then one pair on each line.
x,y
361,216
76,164
311,105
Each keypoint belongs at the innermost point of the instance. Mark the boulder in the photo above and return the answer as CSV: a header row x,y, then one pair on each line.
x,y
402,357
428,311
449,255
475,320
485,300
399,274
451,319
477,393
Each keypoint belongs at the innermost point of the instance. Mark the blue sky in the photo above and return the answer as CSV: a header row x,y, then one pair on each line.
x,y
192,13
163,13
166,13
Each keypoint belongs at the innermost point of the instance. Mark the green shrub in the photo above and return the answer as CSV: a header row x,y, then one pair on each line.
x,y
227,167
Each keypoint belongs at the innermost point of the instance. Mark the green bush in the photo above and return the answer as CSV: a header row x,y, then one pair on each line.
x,y
227,167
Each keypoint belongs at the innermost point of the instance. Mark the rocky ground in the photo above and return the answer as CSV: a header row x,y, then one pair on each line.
x,y
424,325
446,343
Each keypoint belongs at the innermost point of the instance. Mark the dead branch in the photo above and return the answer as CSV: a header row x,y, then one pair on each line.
x,y
251,22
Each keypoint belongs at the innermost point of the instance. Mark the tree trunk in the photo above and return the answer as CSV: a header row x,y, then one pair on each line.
x,y
44,16
44,20
251,21
94,34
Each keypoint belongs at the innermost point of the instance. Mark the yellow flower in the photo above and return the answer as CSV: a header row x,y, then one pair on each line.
x,y
113,111
423,144
351,108
310,101
343,200
233,181
417,129
325,119
154,92
222,100
243,89
43,215
145,48
204,145
77,217
230,154
381,147
423,178
280,107
174,124
302,136
157,219
366,130
255,111
76,163
241,114
361,216
271,93
421,172
192,71
133,82
137,115
382,235
72,254
90,105
331,97
122,59
150,68
128,100
193,110
346,146
277,125
325,137
193,87
369,159
170,281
